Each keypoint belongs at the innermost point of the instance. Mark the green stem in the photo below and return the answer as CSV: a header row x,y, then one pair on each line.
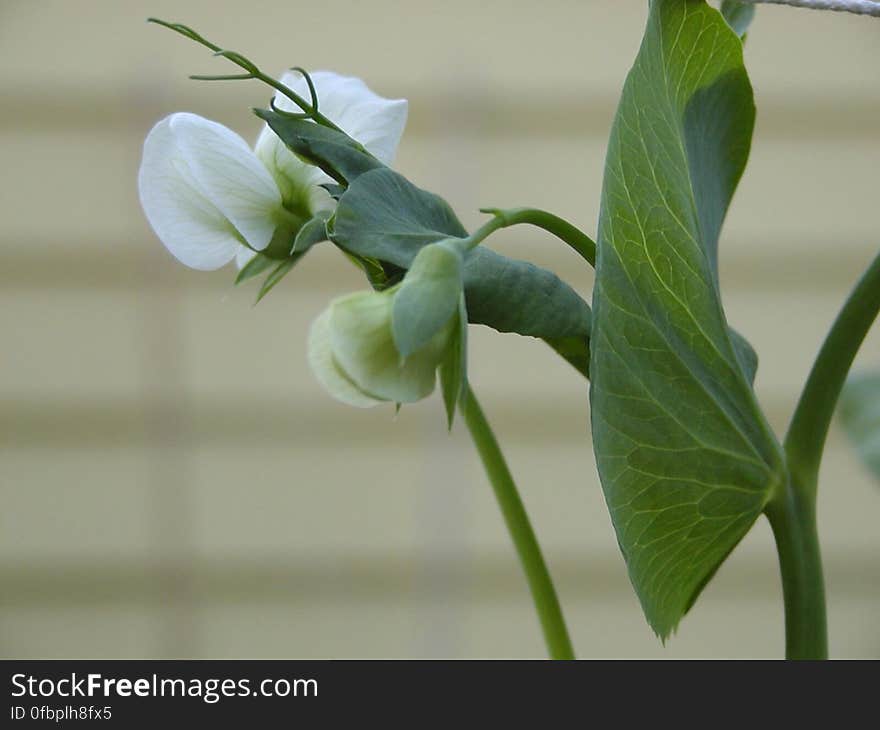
x,y
792,512
806,436
540,583
252,72
560,228
793,519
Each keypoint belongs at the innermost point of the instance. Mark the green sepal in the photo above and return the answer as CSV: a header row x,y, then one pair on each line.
x,y
277,274
428,296
313,231
256,266
453,368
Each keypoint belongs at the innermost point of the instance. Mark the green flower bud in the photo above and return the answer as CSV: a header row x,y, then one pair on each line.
x,y
428,296
353,354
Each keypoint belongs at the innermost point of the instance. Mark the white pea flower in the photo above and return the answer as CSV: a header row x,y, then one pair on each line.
x,y
375,122
210,198
353,354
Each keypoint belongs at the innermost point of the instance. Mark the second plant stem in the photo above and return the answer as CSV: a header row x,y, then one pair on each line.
x,y
521,532
792,512
793,520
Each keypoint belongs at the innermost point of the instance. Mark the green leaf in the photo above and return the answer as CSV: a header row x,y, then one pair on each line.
x,y
313,231
453,368
686,458
575,350
516,296
277,274
738,15
337,154
860,413
256,266
428,296
745,354
385,217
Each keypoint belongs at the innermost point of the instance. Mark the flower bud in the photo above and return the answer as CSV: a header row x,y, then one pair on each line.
x,y
353,354
428,296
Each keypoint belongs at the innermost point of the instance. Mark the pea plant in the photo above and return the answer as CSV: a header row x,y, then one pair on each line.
x,y
685,455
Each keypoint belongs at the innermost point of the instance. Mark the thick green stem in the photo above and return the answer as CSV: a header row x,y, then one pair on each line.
x,y
793,519
792,512
540,583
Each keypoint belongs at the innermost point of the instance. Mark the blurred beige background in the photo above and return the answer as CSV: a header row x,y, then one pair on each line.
x,y
173,481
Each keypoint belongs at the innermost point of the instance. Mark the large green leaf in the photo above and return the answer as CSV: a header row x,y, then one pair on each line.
x,y
860,412
385,217
686,458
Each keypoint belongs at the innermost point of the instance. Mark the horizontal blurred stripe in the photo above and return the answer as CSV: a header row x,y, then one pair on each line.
x,y
463,112
266,579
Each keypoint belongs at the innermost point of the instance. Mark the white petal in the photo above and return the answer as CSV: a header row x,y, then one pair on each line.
x,y
363,348
192,228
377,123
296,179
327,371
243,256
230,175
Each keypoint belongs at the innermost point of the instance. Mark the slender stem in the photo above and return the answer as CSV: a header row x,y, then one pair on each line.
x,y
806,436
560,228
859,7
310,111
540,583
793,519
792,512
253,72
